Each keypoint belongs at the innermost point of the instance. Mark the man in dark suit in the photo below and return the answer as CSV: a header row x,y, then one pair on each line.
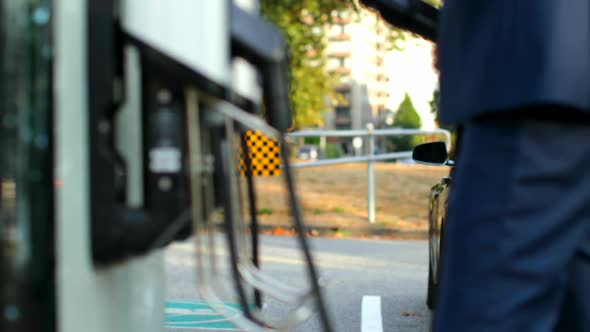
x,y
516,75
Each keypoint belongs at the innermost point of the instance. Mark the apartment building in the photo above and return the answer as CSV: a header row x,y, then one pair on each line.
x,y
357,44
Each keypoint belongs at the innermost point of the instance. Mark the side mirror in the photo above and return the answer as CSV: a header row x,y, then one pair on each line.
x,y
434,153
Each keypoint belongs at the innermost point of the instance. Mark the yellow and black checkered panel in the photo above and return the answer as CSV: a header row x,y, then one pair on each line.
x,y
264,153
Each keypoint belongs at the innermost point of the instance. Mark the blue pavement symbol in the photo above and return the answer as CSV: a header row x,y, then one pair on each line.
x,y
198,315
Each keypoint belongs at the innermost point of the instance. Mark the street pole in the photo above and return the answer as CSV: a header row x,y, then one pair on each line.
x,y
371,175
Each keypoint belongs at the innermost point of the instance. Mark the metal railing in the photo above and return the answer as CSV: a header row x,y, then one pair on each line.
x,y
369,135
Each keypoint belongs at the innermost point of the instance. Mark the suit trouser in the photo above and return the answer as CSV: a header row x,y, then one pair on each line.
x,y
517,242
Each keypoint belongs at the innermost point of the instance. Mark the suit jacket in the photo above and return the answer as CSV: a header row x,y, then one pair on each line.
x,y
497,55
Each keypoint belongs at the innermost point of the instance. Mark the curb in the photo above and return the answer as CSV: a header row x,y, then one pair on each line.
x,y
348,232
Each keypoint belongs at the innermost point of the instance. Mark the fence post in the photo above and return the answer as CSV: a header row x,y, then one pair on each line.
x,y
371,175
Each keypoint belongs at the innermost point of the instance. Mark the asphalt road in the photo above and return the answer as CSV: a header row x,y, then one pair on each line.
x,y
392,272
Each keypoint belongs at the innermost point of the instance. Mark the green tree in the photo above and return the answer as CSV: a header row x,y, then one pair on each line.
x,y
406,117
434,102
304,24
436,3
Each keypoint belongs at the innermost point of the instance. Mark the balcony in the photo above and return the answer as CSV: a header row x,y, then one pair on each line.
x,y
341,71
339,37
380,77
339,54
379,60
341,20
343,120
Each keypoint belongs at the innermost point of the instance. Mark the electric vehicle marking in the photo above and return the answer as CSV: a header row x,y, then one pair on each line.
x,y
199,315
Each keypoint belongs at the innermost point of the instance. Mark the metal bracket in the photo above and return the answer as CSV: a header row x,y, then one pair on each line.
x,y
260,43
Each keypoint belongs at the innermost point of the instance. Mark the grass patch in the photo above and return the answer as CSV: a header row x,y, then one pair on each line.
x,y
338,210
265,211
340,234
336,196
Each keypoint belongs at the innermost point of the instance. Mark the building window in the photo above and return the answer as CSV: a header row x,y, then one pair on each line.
x,y
343,112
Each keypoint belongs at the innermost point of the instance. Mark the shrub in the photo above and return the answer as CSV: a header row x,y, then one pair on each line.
x,y
311,140
333,150
406,117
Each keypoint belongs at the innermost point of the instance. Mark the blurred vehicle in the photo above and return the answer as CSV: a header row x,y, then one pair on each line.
x,y
307,152
435,153
406,161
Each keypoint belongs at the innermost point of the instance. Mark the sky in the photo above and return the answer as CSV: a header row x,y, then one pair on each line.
x,y
411,71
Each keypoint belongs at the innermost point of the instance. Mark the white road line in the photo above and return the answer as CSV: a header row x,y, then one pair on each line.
x,y
371,314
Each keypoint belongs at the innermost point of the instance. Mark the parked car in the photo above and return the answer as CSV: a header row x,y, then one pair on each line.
x,y
435,153
307,152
